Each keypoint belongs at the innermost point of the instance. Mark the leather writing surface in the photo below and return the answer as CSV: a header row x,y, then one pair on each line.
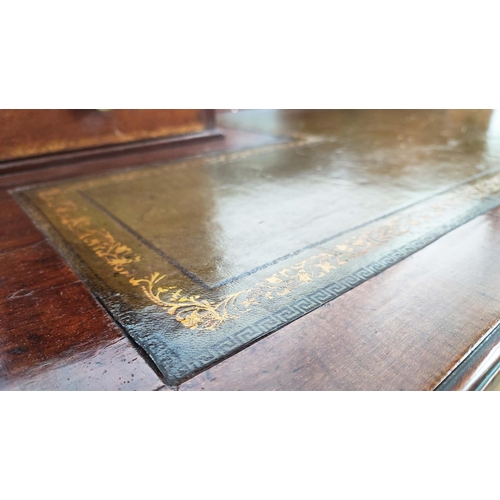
x,y
195,259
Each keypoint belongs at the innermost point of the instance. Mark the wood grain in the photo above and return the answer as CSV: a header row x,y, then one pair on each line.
x,y
17,230
52,327
32,132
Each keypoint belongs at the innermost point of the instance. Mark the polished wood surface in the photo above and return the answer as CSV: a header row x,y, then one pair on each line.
x,y
34,132
53,334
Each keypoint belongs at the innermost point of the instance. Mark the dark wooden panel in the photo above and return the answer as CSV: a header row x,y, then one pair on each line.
x,y
404,329
16,230
231,141
50,325
111,365
34,132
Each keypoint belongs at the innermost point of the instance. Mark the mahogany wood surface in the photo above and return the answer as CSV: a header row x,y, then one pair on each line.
x,y
31,132
53,334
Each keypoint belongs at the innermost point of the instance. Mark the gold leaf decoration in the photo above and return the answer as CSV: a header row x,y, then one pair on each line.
x,y
197,313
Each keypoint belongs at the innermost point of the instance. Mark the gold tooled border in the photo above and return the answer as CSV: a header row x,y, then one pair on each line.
x,y
199,313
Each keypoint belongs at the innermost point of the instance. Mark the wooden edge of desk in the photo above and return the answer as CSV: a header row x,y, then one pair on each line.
x,y
478,368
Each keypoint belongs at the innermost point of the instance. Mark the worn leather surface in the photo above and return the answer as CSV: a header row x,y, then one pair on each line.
x,y
198,258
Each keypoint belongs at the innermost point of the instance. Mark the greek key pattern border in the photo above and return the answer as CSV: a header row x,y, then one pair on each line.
x,y
270,324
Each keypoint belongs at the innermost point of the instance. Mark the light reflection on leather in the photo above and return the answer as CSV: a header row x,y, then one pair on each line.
x,y
230,247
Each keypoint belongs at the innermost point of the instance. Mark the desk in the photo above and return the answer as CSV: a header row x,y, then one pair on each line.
x,y
407,328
